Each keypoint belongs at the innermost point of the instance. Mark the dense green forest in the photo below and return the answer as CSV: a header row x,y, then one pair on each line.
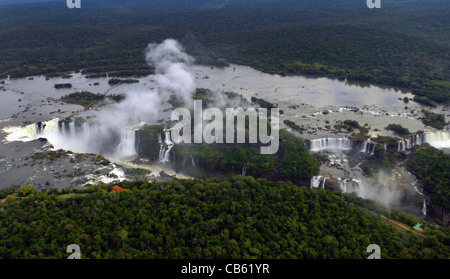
x,y
240,217
291,163
405,43
432,167
86,98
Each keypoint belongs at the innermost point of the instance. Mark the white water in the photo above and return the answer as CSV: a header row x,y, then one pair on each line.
x,y
117,174
331,143
368,147
318,181
424,208
438,139
84,139
244,169
353,185
164,152
127,145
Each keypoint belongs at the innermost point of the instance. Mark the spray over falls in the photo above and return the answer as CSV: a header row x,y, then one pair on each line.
x,y
113,130
330,144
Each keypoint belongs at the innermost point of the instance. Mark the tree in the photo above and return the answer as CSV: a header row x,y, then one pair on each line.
x,y
27,190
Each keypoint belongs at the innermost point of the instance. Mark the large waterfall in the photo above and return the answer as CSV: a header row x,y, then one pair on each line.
x,y
32,131
439,140
79,137
127,145
330,144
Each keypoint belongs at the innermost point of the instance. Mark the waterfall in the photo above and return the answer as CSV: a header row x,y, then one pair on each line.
x,y
244,169
193,162
161,152
167,154
349,185
72,128
368,147
318,181
439,139
127,145
424,208
359,187
331,143
32,131
79,138
164,153
342,185
27,133
364,146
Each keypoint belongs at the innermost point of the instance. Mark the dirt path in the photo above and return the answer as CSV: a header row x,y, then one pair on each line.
x,y
400,226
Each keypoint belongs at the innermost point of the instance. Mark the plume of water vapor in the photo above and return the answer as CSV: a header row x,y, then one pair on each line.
x,y
171,69
112,131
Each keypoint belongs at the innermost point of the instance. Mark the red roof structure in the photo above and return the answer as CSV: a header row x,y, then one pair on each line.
x,y
119,189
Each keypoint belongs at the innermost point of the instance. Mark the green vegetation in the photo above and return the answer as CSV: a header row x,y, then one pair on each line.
x,y
265,104
86,98
432,167
63,85
338,40
101,160
240,217
292,162
294,126
424,100
399,129
115,81
382,160
434,120
352,123
221,100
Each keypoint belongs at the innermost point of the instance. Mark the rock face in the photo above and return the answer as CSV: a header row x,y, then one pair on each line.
x,y
148,142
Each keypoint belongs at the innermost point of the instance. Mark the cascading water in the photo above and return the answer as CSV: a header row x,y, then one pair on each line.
x,y
439,139
318,181
161,148
368,147
349,185
32,131
164,152
424,208
76,137
127,145
72,128
244,169
342,185
331,144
